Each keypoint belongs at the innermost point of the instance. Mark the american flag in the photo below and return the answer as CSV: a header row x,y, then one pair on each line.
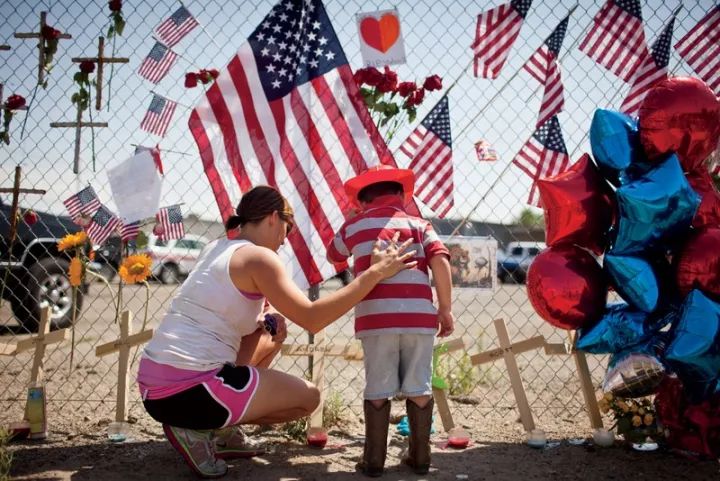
x,y
102,225
544,155
617,39
430,148
129,231
171,223
495,34
700,48
157,118
174,28
155,153
652,70
158,63
544,67
85,202
286,112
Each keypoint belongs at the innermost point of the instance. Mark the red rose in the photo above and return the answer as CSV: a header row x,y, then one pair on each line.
x,y
389,81
370,76
30,217
49,33
214,73
416,98
158,229
87,66
15,102
406,88
207,76
433,82
115,5
190,80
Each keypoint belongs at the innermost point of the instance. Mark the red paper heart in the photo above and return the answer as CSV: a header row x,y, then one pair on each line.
x,y
380,34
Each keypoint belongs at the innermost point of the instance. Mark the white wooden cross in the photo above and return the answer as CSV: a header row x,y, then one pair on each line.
x,y
123,345
78,124
508,351
41,45
100,60
44,338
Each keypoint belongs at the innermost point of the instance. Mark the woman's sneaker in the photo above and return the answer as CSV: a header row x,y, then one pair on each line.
x,y
232,443
197,449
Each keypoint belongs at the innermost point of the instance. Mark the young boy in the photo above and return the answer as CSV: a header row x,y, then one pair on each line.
x,y
397,321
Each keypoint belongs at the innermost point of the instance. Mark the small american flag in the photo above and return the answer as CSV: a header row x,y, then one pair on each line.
x,y
171,223
85,202
700,48
543,155
129,231
158,63
617,39
544,67
174,28
102,225
652,70
157,118
155,153
495,34
430,148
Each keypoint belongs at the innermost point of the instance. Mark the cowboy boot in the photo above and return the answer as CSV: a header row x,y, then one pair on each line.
x,y
420,420
377,421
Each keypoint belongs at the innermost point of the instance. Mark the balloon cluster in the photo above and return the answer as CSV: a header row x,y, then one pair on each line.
x,y
643,218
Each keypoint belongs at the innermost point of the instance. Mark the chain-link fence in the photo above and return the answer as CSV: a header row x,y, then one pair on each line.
x,y
490,196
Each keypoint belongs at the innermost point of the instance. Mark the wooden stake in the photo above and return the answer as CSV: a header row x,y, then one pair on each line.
x,y
100,61
123,345
41,45
44,338
78,124
440,393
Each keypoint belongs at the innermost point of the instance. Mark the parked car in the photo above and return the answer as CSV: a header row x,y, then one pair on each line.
x,y
515,260
173,259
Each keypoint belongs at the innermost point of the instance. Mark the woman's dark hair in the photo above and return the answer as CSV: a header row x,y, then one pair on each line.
x,y
373,191
258,203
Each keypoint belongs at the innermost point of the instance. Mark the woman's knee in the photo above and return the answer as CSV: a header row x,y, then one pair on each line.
x,y
312,399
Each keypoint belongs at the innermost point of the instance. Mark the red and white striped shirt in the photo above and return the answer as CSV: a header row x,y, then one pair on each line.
x,y
404,302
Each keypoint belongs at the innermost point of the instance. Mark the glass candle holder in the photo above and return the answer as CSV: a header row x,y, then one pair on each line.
x,y
603,437
458,438
118,432
536,438
317,437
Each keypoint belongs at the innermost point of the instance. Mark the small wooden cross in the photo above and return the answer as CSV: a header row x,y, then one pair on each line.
x,y
44,337
439,387
16,191
508,351
41,45
78,124
100,61
123,345
4,47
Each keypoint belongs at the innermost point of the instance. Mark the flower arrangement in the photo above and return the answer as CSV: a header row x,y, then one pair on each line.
x,y
12,104
392,103
81,98
635,419
117,24
203,76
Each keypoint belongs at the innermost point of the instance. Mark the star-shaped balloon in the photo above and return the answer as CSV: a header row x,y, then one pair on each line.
x,y
634,279
708,214
578,207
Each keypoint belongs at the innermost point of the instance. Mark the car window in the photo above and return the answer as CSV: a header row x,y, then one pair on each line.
x,y
533,251
516,251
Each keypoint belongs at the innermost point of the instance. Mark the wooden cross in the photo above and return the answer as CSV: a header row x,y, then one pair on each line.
x,y
508,351
123,345
41,45
8,349
4,47
438,384
78,124
44,337
16,191
100,61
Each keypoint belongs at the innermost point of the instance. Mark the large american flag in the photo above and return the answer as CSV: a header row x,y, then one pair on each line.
x,y
495,34
158,63
85,202
102,225
543,155
700,48
430,148
174,28
544,67
287,112
617,39
171,223
652,70
158,116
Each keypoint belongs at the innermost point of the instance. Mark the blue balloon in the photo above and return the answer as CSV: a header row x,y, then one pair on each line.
x,y
655,209
694,352
614,140
620,328
634,279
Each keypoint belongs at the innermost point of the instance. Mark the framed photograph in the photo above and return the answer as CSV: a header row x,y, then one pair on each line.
x,y
473,261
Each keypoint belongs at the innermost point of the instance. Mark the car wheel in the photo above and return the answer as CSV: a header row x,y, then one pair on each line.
x,y
169,274
47,284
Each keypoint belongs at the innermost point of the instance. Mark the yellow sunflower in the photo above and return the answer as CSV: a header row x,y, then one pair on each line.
x,y
75,272
72,240
135,268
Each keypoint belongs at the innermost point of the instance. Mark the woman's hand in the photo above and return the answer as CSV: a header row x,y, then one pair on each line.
x,y
280,326
391,260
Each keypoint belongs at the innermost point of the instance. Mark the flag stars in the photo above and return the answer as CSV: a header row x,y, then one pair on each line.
x,y
260,37
311,36
282,45
313,63
322,40
293,48
277,28
287,59
283,17
276,84
271,41
318,52
277,57
305,47
270,68
288,34
266,24
282,72
316,25
329,56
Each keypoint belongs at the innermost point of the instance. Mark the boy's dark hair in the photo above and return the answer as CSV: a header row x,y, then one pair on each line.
x,y
373,191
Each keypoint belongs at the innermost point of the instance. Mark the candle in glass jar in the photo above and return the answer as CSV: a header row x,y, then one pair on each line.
x,y
536,438
317,437
603,437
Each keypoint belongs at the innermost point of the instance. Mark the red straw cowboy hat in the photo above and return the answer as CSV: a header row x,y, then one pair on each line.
x,y
381,173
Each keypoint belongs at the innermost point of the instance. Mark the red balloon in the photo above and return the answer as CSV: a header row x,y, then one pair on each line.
x,y
567,287
681,115
708,213
578,206
698,264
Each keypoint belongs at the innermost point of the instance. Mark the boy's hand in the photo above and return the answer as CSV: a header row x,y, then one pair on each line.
x,y
447,322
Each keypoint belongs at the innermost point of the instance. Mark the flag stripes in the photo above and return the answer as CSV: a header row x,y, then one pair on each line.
x,y
158,116
158,63
174,28
700,48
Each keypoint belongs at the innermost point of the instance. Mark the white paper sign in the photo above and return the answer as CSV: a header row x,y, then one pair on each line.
x,y
136,187
381,41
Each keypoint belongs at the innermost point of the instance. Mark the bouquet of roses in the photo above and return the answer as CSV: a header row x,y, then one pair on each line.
x,y
13,103
635,419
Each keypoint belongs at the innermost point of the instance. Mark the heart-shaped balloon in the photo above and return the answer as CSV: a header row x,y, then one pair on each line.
x,y
697,265
708,213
